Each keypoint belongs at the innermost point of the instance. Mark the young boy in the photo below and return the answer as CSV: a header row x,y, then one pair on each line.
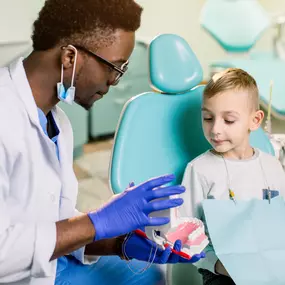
x,y
230,111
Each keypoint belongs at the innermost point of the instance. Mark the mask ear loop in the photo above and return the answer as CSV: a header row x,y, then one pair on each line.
x,y
61,80
74,66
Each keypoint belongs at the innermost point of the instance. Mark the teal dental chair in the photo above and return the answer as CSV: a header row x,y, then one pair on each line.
x,y
160,133
240,25
235,25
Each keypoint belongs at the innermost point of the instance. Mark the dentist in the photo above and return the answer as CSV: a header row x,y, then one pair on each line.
x,y
80,49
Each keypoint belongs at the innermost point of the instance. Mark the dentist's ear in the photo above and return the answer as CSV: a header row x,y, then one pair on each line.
x,y
256,120
68,56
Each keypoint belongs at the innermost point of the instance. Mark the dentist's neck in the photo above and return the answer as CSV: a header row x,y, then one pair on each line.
x,y
43,74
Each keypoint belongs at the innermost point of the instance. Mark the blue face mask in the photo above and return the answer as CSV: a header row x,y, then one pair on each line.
x,y
68,95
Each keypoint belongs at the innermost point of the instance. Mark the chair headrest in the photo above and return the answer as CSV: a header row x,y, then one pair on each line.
x,y
236,25
174,68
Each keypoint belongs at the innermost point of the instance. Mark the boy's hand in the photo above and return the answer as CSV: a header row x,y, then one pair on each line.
x,y
220,269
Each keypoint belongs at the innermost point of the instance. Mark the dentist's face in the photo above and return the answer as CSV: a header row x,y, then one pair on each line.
x,y
93,77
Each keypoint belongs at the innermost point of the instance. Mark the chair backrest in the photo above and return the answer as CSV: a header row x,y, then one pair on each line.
x,y
235,24
161,133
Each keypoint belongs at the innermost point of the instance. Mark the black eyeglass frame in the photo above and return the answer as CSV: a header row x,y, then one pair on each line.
x,y
121,70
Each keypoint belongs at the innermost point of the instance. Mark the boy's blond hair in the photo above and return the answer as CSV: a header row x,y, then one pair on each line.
x,y
233,79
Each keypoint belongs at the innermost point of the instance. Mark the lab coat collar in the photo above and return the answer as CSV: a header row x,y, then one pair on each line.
x,y
24,91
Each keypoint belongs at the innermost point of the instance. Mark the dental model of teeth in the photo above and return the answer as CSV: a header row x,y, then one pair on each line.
x,y
191,232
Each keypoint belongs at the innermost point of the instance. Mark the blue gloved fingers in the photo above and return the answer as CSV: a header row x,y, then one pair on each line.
x,y
157,181
194,258
143,249
165,192
175,257
163,205
177,245
157,221
131,206
202,254
131,184
164,257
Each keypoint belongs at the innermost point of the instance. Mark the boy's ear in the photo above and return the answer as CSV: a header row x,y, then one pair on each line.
x,y
256,120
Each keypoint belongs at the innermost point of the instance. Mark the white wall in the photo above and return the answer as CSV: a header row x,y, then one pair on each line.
x,y
16,18
182,17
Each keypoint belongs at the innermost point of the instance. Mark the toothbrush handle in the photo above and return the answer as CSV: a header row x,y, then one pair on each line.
x,y
180,253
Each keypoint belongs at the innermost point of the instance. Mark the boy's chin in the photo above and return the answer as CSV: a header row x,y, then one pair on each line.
x,y
222,149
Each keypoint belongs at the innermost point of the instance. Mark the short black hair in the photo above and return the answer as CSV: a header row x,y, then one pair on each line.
x,y
76,21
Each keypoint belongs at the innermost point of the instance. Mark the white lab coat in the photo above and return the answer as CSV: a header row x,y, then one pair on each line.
x,y
31,182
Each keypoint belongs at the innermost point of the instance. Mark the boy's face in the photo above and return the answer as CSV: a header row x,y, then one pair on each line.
x,y
228,118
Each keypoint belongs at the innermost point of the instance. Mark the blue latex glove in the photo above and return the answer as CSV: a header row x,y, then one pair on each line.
x,y
129,210
144,249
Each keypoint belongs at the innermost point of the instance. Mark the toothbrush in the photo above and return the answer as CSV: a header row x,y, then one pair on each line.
x,y
180,253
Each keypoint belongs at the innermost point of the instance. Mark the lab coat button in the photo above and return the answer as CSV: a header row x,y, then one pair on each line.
x,y
52,198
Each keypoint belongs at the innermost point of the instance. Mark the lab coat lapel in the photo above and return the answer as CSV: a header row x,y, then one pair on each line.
x,y
23,90
69,182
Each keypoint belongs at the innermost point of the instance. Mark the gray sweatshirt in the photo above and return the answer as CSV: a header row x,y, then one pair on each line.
x,y
211,176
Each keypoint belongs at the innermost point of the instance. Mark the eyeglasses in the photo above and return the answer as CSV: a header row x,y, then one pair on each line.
x,y
120,70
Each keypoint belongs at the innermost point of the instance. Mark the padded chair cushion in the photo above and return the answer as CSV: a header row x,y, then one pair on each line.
x,y
174,68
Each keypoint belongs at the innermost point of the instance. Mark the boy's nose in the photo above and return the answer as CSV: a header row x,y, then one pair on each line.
x,y
216,129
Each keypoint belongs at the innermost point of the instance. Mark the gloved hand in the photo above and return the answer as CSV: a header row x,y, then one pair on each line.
x,y
129,210
144,249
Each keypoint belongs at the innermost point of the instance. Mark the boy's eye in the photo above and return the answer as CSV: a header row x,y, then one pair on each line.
x,y
207,119
229,122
